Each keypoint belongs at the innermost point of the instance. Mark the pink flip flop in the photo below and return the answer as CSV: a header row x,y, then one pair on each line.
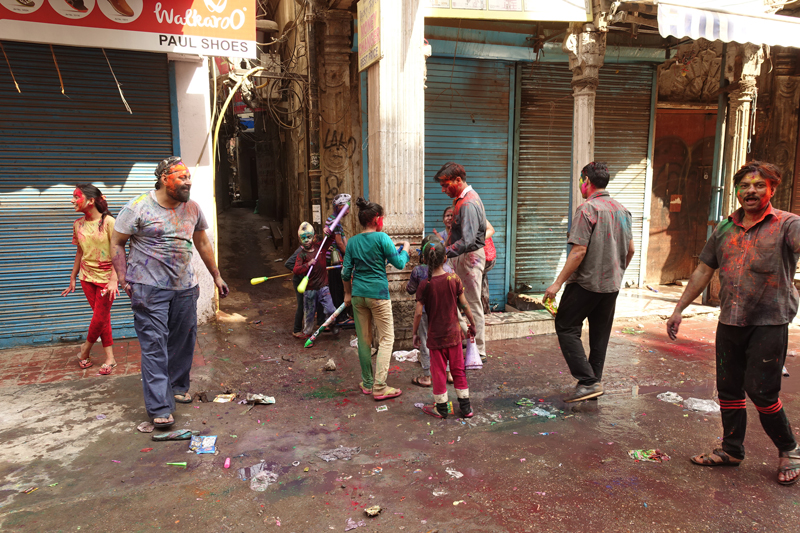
x,y
85,363
106,369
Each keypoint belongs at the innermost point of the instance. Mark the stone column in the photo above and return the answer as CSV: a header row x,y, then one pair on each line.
x,y
396,139
739,107
337,143
586,48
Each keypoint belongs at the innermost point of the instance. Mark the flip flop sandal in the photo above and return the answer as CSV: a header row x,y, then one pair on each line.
x,y
181,434
417,381
106,369
388,392
706,460
793,466
85,363
183,398
160,425
434,412
364,390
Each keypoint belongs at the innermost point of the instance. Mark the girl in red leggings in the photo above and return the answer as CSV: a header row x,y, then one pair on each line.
x,y
92,235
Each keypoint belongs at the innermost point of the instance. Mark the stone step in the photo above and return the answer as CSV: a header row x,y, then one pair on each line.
x,y
500,326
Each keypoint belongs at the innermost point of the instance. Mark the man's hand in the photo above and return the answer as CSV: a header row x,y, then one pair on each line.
x,y
471,331
417,341
69,289
673,324
552,290
347,299
126,287
222,286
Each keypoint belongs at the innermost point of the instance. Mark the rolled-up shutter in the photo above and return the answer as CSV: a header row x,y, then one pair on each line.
x,y
466,121
51,141
543,183
622,129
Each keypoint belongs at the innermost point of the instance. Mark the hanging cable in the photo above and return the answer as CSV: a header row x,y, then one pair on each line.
x,y
60,80
119,88
9,68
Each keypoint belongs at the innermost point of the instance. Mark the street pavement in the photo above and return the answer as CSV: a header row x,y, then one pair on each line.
x,y
72,436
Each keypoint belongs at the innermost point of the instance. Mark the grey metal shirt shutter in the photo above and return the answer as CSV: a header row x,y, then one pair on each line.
x,y
467,121
543,183
622,129
50,142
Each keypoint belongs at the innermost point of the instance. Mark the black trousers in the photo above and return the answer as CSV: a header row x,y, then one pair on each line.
x,y
750,360
298,315
578,304
336,286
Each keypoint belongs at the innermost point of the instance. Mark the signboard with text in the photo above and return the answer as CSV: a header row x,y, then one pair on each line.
x,y
535,10
201,27
369,33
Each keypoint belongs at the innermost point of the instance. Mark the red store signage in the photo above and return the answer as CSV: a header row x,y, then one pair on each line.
x,y
202,27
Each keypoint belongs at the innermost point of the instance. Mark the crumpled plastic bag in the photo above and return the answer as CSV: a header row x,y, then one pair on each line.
x,y
411,357
338,453
653,456
670,397
262,480
260,399
352,524
354,342
703,406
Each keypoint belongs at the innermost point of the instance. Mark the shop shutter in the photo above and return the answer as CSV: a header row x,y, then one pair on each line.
x,y
49,142
543,183
466,121
622,129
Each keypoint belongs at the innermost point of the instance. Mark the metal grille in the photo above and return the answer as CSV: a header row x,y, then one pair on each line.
x,y
622,128
466,121
50,142
543,184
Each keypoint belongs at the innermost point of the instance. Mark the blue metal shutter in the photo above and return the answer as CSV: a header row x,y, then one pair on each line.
x,y
466,121
50,142
622,129
543,182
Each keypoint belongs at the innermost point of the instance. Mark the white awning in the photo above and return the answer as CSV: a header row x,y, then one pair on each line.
x,y
681,21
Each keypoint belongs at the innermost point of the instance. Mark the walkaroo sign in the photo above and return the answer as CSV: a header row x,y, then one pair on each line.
x,y
203,27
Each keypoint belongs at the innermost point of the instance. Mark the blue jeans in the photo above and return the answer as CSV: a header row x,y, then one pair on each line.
x,y
310,300
166,325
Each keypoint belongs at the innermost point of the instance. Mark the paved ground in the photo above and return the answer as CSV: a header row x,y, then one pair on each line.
x,y
520,472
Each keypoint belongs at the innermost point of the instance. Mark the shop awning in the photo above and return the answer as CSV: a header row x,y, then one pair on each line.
x,y
681,21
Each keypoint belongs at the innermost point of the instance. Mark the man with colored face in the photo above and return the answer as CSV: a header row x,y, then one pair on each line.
x,y
159,279
465,240
602,248
755,250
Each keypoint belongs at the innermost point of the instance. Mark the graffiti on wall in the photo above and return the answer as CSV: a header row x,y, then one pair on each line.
x,y
338,150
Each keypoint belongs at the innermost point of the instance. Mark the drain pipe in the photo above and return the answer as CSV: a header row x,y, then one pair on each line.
x,y
718,169
315,172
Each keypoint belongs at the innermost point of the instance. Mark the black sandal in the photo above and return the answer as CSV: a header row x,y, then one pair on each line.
x,y
416,381
706,460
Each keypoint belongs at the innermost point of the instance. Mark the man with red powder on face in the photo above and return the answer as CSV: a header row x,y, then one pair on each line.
x,y
160,281
465,240
756,250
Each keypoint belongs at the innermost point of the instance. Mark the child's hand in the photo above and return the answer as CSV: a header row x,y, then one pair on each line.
x,y
327,231
417,341
312,262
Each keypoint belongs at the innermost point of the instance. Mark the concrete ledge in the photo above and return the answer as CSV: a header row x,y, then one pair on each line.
x,y
501,326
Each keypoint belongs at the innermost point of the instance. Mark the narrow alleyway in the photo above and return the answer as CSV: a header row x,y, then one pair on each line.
x,y
506,470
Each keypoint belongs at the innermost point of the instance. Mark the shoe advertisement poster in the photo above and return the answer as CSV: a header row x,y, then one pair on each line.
x,y
200,27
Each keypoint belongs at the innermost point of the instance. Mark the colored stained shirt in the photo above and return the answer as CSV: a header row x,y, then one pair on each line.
x,y
95,243
161,241
440,298
604,226
756,268
365,263
338,230
418,274
318,276
468,231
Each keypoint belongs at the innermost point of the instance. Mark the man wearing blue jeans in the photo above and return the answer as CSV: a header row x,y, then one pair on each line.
x,y
158,278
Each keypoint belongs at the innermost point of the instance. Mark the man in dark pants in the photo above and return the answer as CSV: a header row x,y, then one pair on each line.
x,y
602,248
756,250
158,278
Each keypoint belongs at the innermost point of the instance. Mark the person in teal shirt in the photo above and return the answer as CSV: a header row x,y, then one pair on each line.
x,y
367,289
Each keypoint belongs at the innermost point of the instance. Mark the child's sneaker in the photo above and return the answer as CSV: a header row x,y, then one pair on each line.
x,y
466,408
439,410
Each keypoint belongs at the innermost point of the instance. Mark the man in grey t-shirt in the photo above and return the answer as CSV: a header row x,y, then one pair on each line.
x,y
602,248
159,279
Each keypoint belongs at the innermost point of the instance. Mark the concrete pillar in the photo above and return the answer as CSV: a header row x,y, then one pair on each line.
x,y
396,138
586,48
750,57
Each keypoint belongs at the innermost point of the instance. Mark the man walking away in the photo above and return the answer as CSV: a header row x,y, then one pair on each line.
x,y
756,251
602,248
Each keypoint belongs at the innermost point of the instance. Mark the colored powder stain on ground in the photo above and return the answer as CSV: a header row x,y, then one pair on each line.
x,y
324,392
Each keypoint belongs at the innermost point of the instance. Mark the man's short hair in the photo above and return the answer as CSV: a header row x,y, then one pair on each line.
x,y
164,166
768,171
450,171
597,173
